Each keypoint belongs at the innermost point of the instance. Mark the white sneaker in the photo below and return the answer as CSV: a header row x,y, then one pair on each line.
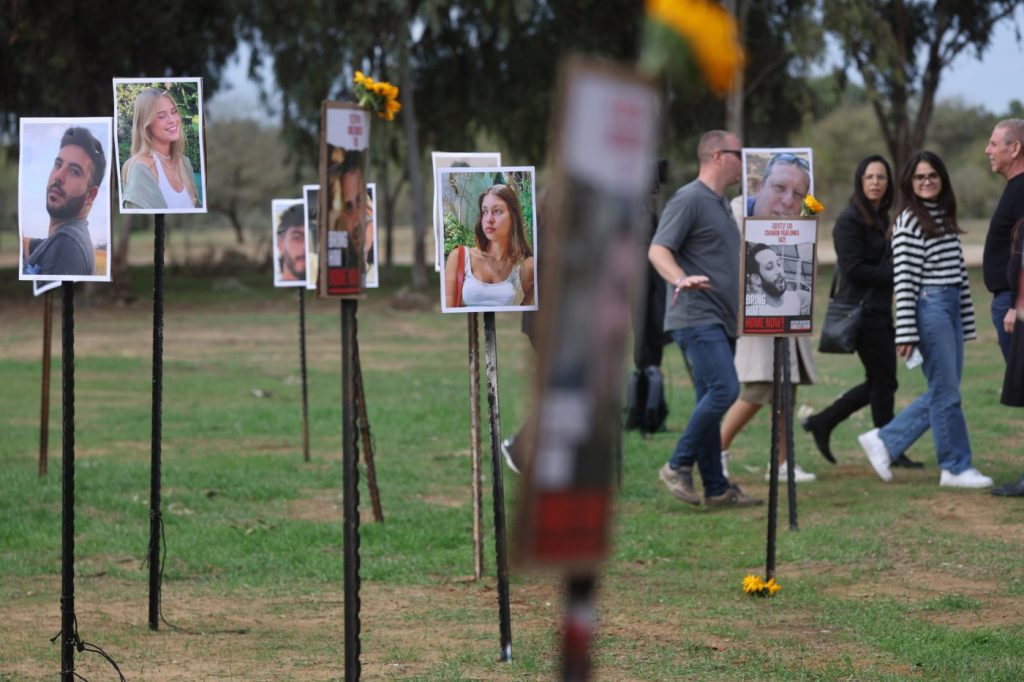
x,y
799,475
969,478
876,453
725,463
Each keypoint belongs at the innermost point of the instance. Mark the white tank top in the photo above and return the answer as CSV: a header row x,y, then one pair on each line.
x,y
171,198
477,293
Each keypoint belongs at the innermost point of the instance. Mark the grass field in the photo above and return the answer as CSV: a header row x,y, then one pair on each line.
x,y
881,582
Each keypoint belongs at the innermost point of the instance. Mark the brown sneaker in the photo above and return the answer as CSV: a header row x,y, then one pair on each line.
x,y
732,497
680,483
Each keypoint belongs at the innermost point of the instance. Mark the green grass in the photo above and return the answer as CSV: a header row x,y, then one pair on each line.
x,y
881,582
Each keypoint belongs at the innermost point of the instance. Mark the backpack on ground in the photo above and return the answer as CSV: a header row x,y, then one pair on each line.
x,y
646,409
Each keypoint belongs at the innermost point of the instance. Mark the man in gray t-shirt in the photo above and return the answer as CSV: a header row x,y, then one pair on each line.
x,y
696,251
72,186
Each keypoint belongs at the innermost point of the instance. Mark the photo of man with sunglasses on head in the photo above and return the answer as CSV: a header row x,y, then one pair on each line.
x,y
782,187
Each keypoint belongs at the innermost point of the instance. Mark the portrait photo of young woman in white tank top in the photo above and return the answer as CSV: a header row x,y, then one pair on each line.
x,y
497,272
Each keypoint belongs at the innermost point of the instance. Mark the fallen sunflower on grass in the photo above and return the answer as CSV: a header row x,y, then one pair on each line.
x,y
379,97
755,586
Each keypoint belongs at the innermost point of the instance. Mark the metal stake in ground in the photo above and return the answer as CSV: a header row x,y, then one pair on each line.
x,y
350,489
474,445
578,627
67,554
44,407
157,422
501,551
787,414
365,437
773,465
302,357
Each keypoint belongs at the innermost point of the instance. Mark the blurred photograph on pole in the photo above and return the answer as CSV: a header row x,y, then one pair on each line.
x,y
344,143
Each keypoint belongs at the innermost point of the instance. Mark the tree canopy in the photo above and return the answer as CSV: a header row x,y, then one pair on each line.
x,y
900,48
59,57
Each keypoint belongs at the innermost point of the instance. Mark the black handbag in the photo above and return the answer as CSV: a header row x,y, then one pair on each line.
x,y
839,333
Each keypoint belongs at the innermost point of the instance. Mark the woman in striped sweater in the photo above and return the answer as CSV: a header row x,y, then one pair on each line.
x,y
934,315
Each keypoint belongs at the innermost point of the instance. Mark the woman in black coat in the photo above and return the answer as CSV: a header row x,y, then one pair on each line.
x,y
864,272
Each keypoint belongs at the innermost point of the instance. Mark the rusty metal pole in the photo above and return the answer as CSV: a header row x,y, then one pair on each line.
x,y
305,383
350,491
365,437
156,432
500,544
44,407
773,465
474,445
68,631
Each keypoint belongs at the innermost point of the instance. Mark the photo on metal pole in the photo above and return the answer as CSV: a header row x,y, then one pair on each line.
x,y
64,199
344,144
288,235
777,266
160,140
489,218
598,211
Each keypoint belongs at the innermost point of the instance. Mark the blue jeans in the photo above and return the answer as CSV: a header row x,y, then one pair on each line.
x,y
1001,304
942,346
709,355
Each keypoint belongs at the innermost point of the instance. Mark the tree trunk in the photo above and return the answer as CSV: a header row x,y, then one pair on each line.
x,y
236,224
734,101
384,195
412,159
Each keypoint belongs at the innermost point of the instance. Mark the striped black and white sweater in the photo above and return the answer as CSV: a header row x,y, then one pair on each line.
x,y
922,261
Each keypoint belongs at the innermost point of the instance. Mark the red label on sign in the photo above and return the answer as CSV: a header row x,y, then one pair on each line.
x,y
572,525
342,281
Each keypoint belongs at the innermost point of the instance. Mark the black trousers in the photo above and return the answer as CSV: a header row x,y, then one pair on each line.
x,y
877,350
649,336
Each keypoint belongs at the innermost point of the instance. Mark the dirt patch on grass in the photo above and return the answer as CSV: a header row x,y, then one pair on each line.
x,y
406,632
320,506
975,515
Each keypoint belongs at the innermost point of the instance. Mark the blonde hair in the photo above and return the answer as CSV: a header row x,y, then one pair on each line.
x,y
142,140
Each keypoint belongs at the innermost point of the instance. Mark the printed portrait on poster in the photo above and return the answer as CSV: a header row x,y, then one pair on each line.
x,y
311,201
776,181
370,237
288,219
64,199
344,142
777,269
161,163
489,239
453,160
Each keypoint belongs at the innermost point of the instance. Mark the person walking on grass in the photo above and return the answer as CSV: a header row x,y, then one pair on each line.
x,y
864,275
696,251
934,314
1005,151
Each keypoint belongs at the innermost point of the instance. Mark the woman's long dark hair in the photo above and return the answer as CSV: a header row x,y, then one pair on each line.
x,y
860,201
909,201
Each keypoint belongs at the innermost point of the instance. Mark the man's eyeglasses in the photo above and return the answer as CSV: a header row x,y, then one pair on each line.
x,y
926,177
736,152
